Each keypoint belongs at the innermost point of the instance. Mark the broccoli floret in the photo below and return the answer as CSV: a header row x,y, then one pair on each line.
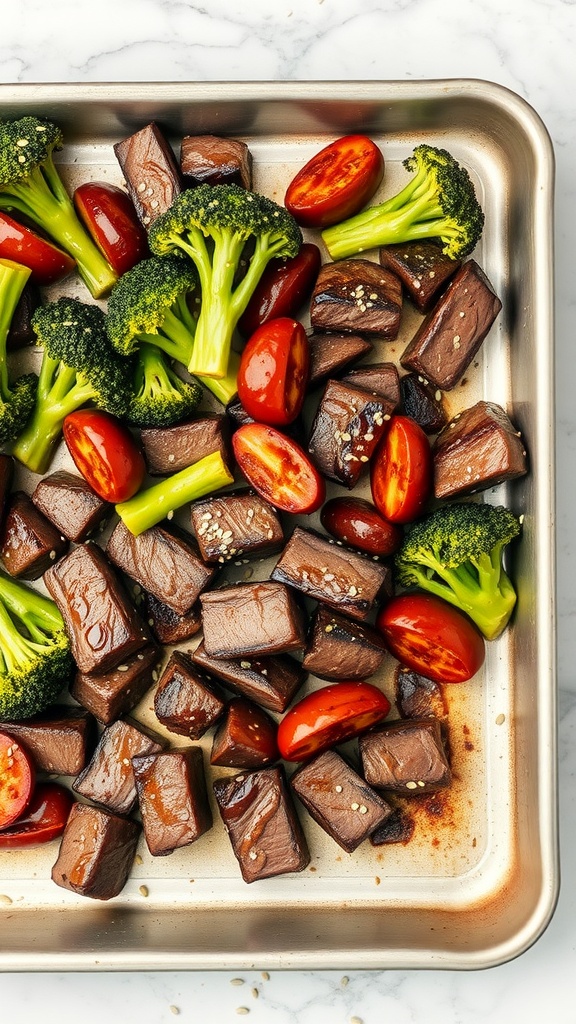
x,y
159,396
230,234
161,500
78,366
456,553
438,202
16,398
150,304
31,184
35,655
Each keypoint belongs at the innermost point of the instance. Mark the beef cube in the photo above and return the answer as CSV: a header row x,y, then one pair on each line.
x,y
339,799
6,477
422,403
239,523
96,853
21,332
356,295
71,504
340,648
451,334
406,756
479,448
170,449
347,427
398,828
251,618
60,739
150,170
245,737
29,543
332,574
112,694
378,379
330,353
422,268
103,626
271,682
165,562
108,778
173,799
185,701
210,160
169,627
262,824
417,696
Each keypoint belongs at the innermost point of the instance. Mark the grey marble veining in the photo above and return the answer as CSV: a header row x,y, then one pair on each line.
x,y
530,47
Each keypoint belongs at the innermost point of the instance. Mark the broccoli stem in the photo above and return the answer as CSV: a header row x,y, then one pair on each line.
x,y
59,393
150,506
36,611
224,388
13,277
43,197
220,310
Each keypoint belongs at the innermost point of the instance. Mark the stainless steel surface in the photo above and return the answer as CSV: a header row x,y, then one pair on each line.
x,y
478,885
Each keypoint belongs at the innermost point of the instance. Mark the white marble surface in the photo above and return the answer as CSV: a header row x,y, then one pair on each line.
x,y
529,46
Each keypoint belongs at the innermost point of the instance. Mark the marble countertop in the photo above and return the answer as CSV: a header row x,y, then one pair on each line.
x,y
528,46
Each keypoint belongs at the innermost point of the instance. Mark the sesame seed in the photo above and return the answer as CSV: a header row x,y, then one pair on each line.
x,y
411,785
338,789
144,890
236,981
354,806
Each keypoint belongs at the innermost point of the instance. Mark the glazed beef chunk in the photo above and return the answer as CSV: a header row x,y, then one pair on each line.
x,y
423,403
340,648
186,702
478,449
262,824
251,618
245,737
96,853
422,268
272,682
173,799
165,562
29,543
108,779
71,504
150,170
111,694
167,626
333,575
356,295
331,352
377,379
339,799
451,334
103,625
347,427
211,160
406,756
170,449
238,524
60,739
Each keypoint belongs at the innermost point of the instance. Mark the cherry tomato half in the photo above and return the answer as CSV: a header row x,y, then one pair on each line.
x,y
110,218
105,453
329,716
282,289
401,471
45,260
431,637
278,468
273,372
16,779
336,183
356,522
45,818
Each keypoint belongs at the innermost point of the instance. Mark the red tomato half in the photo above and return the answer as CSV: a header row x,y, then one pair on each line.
x,y
110,218
16,779
105,453
330,716
336,183
273,372
282,289
45,260
401,471
431,637
45,818
356,522
278,468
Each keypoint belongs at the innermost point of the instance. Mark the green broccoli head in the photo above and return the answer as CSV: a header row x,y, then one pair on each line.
x,y
230,234
35,654
438,202
78,366
16,406
160,397
456,552
31,184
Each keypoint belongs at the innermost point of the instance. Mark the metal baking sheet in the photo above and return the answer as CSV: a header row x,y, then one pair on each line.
x,y
478,883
